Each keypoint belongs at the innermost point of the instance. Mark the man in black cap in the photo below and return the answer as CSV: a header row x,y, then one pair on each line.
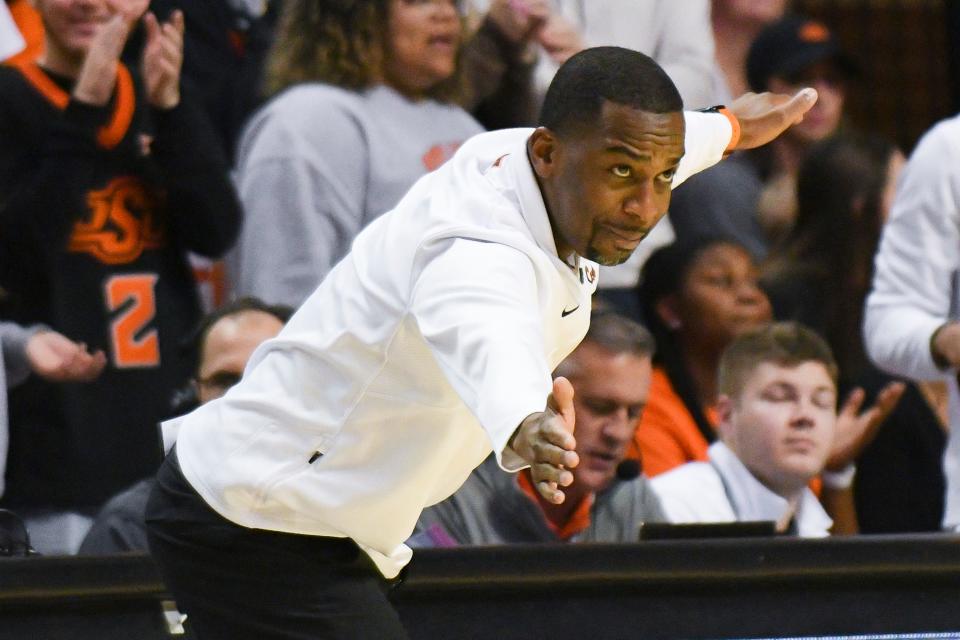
x,y
753,197
796,52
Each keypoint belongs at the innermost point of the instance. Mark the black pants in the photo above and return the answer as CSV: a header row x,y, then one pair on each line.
x,y
236,583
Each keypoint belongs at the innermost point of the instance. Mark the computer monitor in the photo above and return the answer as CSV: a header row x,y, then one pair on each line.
x,y
690,530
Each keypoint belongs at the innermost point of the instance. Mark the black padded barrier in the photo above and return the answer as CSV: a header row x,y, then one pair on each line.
x,y
719,589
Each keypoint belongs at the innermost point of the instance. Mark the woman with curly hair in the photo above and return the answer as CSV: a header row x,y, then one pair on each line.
x,y
696,296
361,107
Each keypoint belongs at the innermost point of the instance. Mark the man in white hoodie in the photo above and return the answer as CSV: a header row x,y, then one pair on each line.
x,y
911,324
287,501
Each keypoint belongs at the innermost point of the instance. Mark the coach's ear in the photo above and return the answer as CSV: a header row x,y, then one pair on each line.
x,y
543,149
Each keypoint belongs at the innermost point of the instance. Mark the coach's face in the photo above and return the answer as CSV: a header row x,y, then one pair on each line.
x,y
607,185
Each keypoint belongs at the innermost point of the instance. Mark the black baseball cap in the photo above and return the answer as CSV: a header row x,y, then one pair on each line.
x,y
790,45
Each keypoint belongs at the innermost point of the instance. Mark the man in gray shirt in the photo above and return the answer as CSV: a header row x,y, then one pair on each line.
x,y
610,372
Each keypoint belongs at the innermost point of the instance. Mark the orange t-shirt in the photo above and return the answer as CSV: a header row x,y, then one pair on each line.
x,y
667,435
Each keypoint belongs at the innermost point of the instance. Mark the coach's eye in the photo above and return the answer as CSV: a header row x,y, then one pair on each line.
x,y
621,171
667,176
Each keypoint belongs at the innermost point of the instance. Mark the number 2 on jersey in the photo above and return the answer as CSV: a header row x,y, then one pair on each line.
x,y
131,345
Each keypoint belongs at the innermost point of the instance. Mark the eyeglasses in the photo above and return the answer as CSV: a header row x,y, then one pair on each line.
x,y
219,381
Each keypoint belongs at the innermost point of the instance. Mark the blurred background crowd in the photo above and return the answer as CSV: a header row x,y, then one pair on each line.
x,y
161,215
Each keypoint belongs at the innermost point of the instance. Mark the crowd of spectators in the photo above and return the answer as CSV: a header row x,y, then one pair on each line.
x,y
138,149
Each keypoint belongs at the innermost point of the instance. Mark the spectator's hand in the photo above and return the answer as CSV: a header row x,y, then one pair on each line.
x,y
777,207
518,20
855,431
99,72
129,10
764,116
945,345
545,440
560,38
162,60
57,358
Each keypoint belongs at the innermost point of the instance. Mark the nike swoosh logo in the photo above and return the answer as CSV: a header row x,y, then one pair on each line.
x,y
565,313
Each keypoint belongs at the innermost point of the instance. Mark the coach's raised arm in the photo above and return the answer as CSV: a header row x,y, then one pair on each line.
x,y
764,116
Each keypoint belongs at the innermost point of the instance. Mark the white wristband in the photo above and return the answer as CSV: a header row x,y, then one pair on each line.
x,y
839,479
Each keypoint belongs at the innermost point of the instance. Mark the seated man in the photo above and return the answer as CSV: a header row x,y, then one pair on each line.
x,y
226,339
610,373
777,408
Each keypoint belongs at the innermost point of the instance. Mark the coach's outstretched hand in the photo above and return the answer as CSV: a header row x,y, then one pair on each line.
x,y
546,441
764,116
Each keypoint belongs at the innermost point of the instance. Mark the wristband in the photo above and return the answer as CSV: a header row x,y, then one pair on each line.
x,y
839,479
734,125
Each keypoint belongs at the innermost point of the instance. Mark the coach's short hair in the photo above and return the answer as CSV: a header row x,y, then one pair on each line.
x,y
787,344
606,74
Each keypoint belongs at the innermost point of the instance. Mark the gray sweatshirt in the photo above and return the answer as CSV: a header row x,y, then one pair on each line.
x,y
14,369
491,508
316,165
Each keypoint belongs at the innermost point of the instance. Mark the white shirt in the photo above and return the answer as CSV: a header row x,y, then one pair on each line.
x,y
724,490
316,165
421,352
679,37
915,279
11,41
